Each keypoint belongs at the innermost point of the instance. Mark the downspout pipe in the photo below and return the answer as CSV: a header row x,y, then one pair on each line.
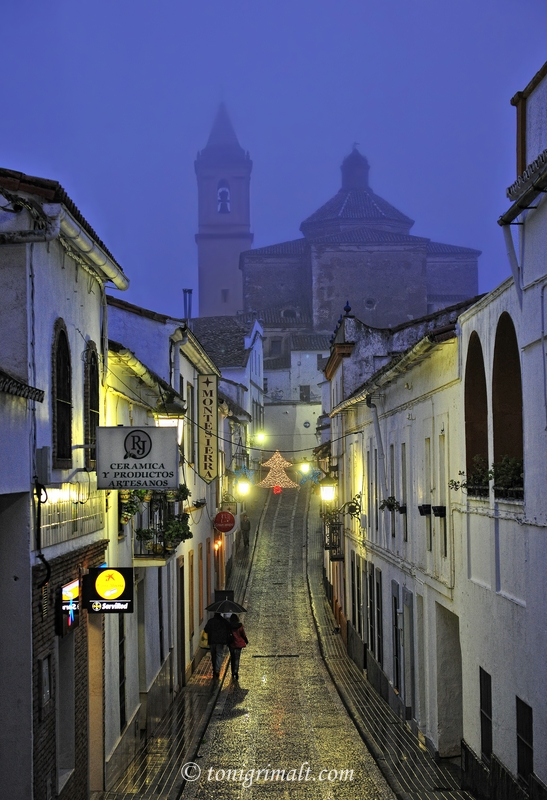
x,y
513,262
381,456
380,446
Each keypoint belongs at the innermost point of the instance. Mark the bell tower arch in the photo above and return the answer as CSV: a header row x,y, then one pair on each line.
x,y
223,171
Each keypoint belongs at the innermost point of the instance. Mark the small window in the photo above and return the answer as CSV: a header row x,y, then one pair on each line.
x,y
265,384
223,197
275,347
525,740
304,394
379,623
62,399
486,714
224,295
91,404
45,688
371,611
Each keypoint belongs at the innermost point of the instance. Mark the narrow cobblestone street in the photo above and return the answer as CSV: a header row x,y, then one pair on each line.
x,y
284,714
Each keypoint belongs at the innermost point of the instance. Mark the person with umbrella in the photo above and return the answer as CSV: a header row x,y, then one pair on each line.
x,y
237,643
219,631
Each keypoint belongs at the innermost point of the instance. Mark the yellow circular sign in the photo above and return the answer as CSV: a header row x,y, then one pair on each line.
x,y
110,584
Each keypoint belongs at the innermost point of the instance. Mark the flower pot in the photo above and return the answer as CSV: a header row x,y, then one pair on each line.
x,y
425,510
439,511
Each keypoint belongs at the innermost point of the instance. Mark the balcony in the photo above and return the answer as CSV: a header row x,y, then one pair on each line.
x,y
71,510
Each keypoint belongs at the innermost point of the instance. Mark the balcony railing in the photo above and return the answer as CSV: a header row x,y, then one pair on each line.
x,y
72,510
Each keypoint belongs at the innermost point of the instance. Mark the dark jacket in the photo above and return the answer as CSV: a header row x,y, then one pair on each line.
x,y
218,630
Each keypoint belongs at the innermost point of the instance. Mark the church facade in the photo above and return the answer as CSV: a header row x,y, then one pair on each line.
x,y
355,247
358,247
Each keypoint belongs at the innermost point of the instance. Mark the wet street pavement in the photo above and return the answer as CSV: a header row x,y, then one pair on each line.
x,y
302,710
282,730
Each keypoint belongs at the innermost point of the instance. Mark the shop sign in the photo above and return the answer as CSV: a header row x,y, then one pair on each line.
x,y
224,521
108,590
137,458
68,609
207,427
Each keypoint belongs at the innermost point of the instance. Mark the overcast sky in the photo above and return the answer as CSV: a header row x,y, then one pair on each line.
x,y
113,98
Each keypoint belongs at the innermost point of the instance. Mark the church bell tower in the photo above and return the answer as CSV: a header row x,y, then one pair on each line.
x,y
223,171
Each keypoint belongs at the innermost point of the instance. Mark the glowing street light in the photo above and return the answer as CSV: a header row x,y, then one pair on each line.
x,y
304,467
259,437
243,487
328,489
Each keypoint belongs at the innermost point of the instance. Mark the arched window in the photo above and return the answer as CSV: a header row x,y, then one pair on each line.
x,y
223,197
61,399
507,393
476,407
91,404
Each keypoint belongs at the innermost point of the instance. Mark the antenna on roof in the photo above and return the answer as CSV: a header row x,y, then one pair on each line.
x,y
355,145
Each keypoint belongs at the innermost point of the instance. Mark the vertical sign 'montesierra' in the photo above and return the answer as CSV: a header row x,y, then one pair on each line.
x,y
207,408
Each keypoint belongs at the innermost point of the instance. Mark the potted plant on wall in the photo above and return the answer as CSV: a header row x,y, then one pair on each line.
x,y
176,530
146,537
476,481
390,504
180,495
129,508
508,475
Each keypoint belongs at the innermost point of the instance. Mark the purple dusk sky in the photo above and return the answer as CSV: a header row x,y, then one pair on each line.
x,y
113,98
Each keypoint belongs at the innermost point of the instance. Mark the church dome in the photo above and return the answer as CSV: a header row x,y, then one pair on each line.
x,y
355,205
355,169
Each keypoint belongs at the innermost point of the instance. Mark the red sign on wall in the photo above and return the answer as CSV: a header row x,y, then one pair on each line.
x,y
224,521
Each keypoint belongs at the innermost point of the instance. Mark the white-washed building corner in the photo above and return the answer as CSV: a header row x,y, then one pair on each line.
x,y
53,520
440,593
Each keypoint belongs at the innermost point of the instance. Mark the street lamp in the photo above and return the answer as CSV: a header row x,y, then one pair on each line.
x,y
243,487
304,467
327,488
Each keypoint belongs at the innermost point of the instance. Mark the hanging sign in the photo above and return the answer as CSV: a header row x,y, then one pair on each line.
x,y
137,458
68,611
207,414
108,590
224,521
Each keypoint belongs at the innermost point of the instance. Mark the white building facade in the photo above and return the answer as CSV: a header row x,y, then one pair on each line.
x,y
440,584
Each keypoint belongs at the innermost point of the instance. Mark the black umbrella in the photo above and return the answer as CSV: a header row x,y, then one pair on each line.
x,y
226,607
